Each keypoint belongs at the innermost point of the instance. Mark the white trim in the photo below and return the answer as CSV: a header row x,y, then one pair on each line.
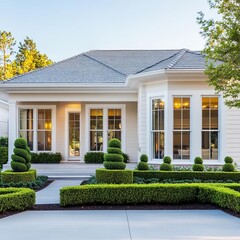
x,y
35,119
66,142
105,108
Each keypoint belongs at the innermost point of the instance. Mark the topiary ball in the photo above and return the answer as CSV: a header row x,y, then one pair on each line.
x,y
198,160
166,167
198,167
228,159
167,159
114,143
144,158
142,166
228,167
114,165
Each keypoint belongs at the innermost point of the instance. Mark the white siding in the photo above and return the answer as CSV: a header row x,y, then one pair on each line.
x,y
3,119
232,133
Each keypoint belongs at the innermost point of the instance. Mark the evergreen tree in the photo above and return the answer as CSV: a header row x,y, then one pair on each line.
x,y
7,43
222,49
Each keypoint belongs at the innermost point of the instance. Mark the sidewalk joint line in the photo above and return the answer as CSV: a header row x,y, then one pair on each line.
x,y
128,225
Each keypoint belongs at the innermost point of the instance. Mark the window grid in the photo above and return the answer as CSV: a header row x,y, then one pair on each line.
x,y
114,124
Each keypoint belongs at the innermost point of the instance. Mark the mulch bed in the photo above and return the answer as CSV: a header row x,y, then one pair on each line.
x,y
57,207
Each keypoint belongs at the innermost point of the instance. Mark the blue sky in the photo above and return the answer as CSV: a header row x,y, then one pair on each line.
x,y
63,28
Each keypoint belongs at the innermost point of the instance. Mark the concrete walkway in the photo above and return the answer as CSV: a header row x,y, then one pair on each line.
x,y
121,225
50,194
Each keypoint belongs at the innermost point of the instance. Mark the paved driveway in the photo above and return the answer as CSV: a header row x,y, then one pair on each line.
x,y
121,225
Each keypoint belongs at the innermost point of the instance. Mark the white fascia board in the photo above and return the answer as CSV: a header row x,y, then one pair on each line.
x,y
133,81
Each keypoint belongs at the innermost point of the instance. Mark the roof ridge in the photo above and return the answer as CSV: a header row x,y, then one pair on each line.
x,y
84,54
157,63
179,55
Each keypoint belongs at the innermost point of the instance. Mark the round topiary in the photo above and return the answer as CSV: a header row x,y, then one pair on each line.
x,y
198,167
166,167
198,160
114,143
21,159
142,166
114,158
228,167
167,159
144,158
228,159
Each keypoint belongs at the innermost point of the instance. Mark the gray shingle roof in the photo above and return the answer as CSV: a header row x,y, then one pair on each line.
x,y
112,66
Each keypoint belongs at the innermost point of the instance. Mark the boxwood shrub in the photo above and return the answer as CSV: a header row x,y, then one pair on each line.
x,y
16,199
9,176
114,176
188,175
46,157
94,157
3,155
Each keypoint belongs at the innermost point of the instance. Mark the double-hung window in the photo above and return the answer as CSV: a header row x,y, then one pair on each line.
x,y
210,129
181,128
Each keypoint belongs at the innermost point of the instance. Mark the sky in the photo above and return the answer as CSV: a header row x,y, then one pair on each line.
x,y
64,28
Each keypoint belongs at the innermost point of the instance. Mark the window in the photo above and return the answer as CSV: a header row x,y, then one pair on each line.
x,y
96,129
106,121
210,128
181,128
35,125
158,128
26,126
114,123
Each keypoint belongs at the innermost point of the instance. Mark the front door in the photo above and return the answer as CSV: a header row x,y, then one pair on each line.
x,y
74,135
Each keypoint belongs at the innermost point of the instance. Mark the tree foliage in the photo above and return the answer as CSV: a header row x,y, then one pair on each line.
x,y
222,49
28,57
7,43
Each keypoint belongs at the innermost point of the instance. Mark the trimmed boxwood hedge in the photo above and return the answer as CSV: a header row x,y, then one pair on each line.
x,y
9,176
16,199
114,176
94,157
223,195
128,194
46,157
188,175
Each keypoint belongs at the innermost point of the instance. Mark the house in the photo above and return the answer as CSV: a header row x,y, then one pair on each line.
x,y
155,101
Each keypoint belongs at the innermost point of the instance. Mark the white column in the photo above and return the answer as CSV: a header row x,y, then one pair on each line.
x,y
12,132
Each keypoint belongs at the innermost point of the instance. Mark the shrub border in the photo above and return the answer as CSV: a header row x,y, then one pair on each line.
x,y
223,195
16,199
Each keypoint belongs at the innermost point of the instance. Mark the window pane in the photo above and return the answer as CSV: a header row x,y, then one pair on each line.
x,y
96,140
185,145
48,140
28,135
205,119
214,145
214,119
181,145
74,134
158,145
114,134
177,145
41,139
177,119
186,119
205,145
26,118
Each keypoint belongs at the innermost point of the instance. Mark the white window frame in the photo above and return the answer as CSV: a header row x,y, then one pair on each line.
x,y
105,108
35,124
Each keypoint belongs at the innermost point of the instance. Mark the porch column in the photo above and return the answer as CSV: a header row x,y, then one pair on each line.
x,y
12,127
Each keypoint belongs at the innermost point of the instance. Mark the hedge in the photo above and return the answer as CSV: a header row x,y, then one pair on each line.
x,y
128,194
16,199
222,195
188,175
46,157
114,176
9,176
3,155
94,157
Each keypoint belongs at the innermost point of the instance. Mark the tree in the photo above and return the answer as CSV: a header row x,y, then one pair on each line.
x,y
29,58
222,49
7,43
